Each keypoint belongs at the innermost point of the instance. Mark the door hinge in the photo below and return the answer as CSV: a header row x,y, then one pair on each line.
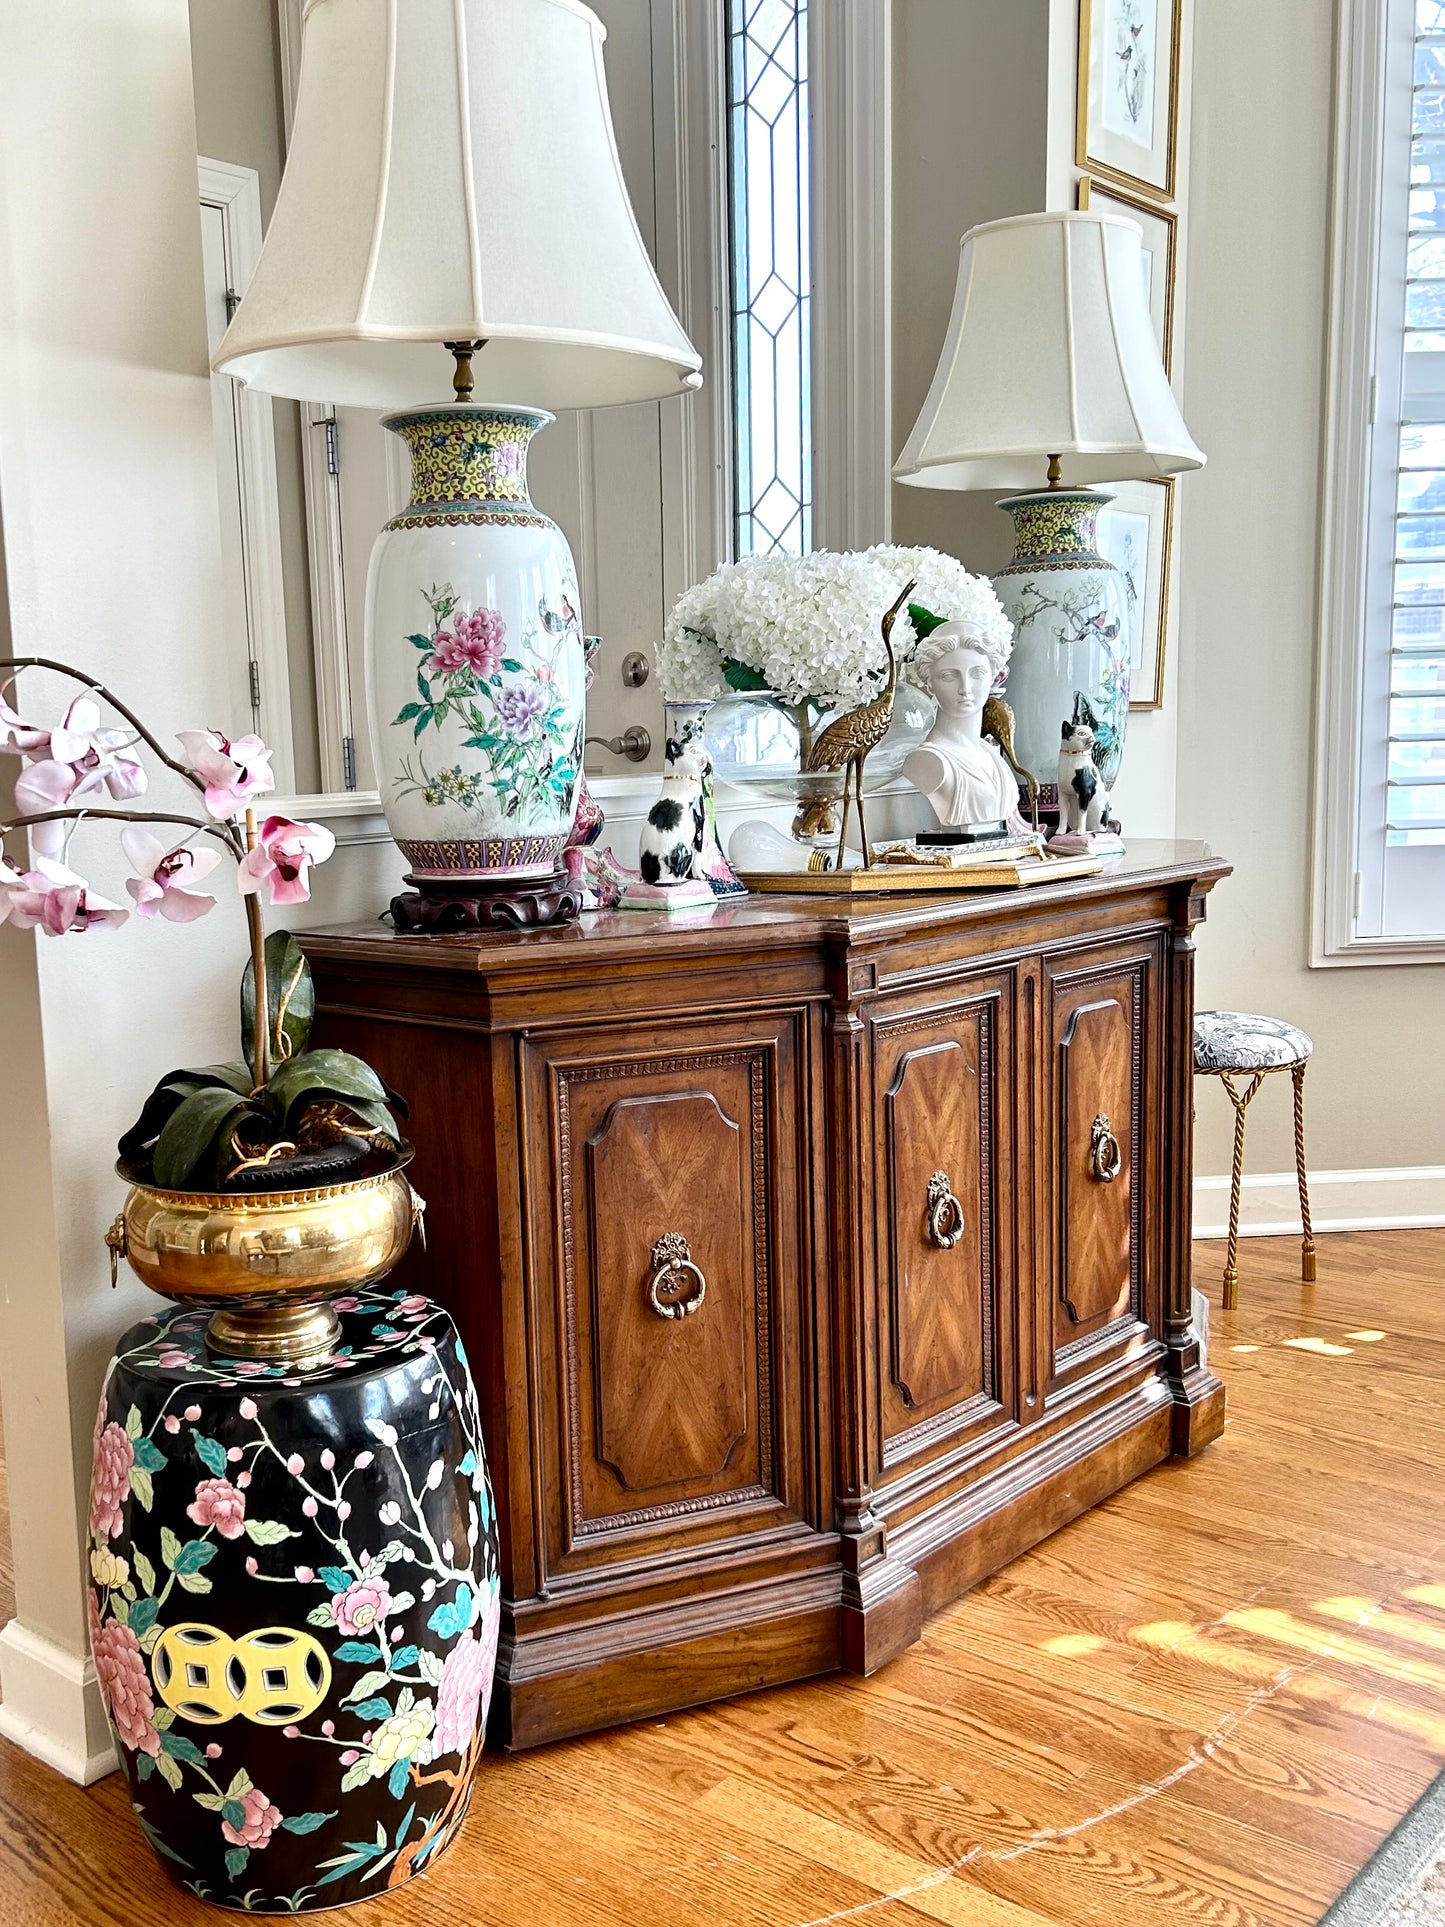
x,y
1359,894
348,762
333,449
254,668
1374,403
233,301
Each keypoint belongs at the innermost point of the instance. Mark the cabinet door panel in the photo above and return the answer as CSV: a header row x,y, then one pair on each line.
x,y
943,1311
1099,1126
661,1427
671,1394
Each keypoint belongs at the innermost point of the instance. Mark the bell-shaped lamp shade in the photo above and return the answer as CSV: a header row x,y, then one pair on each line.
x,y
1050,351
453,175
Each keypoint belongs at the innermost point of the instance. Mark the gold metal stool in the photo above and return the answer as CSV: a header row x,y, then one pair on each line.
x,y
1230,1044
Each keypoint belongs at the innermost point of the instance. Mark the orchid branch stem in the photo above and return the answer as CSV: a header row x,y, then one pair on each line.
x,y
18,663
261,1020
222,830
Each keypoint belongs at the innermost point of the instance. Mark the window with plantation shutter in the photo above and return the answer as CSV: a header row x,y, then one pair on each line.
x,y
1380,868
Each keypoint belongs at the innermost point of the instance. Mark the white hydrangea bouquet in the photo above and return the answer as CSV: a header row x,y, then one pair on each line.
x,y
805,627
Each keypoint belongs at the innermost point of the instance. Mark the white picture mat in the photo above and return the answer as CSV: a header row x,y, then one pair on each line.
x,y
1126,107
1135,534
1158,229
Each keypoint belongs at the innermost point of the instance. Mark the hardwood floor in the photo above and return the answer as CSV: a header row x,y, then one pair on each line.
x,y
1206,1701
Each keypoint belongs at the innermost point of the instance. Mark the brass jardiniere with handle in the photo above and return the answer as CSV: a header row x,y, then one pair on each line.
x,y
267,1263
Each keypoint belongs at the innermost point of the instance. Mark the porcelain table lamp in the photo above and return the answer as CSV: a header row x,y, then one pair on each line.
x,y
1051,379
453,187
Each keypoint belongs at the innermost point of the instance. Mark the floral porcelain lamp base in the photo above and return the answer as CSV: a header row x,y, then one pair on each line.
x,y
295,1603
1070,664
477,673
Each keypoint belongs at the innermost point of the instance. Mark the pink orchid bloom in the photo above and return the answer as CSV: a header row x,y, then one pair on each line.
x,y
279,866
94,759
57,900
163,879
233,772
19,737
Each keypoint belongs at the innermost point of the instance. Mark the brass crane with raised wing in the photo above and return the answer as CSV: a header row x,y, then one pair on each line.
x,y
846,742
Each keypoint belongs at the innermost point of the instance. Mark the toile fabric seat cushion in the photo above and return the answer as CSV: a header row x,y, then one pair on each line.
x,y
1233,1040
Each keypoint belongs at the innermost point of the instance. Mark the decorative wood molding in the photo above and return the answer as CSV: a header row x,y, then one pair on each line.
x,y
579,1527
851,89
235,192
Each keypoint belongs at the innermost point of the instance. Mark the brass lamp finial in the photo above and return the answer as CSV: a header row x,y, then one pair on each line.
x,y
463,351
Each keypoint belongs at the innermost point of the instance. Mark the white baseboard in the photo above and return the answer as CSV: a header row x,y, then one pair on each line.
x,y
52,1705
1391,1200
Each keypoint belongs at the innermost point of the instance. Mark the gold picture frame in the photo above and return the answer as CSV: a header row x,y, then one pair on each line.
x,y
1127,112
1161,236
1136,531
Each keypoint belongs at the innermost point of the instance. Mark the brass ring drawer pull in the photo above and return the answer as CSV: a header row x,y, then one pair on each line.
x,y
1106,1160
945,1213
669,1291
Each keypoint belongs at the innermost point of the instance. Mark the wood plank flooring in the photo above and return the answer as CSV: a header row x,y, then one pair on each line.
x,y
1207,1701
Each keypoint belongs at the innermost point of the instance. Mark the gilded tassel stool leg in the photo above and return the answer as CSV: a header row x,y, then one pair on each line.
x,y
1307,1249
1241,1105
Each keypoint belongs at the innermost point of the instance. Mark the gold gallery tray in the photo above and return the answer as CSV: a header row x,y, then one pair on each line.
x,y
893,879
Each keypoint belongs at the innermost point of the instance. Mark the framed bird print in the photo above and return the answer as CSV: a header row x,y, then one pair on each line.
x,y
1128,88
1160,226
1136,534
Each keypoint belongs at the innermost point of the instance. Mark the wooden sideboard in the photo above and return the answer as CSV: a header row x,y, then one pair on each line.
x,y
933,1162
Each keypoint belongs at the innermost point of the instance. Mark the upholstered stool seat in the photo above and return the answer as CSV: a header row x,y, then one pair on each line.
x,y
1235,1043
1232,1040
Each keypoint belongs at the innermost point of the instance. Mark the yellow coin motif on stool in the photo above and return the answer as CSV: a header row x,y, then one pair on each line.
x,y
274,1676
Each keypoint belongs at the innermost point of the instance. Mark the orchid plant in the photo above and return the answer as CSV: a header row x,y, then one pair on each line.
x,y
199,1128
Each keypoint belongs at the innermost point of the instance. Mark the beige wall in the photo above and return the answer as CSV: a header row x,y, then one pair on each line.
x,y
983,110
1258,265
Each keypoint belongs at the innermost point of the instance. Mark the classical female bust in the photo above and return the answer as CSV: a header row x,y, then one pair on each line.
x,y
965,779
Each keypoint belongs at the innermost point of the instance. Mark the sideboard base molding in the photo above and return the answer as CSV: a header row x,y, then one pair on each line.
x,y
553,1686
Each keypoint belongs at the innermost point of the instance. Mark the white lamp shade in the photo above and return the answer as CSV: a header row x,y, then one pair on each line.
x,y
453,175
1050,351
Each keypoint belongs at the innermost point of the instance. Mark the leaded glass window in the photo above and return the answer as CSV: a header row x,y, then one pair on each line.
x,y
768,188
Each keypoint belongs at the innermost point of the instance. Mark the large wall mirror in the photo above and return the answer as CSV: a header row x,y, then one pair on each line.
x,y
641,492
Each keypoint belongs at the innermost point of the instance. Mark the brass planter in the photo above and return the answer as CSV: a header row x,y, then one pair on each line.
x,y
268,1262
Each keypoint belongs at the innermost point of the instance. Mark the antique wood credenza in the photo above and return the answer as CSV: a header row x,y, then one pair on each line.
x,y
932,1160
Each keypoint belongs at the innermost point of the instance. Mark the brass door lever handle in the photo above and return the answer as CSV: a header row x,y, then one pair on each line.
x,y
635,743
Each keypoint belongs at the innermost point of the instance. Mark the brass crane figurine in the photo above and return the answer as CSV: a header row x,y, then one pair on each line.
x,y
998,722
846,742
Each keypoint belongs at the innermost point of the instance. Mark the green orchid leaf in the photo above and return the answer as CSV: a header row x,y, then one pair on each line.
x,y
290,996
192,1132
325,1073
168,1096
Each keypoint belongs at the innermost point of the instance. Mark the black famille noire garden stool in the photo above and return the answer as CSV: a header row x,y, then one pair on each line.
x,y
1230,1044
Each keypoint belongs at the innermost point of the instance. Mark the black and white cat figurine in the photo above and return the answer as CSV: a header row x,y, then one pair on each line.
x,y
674,835
1082,796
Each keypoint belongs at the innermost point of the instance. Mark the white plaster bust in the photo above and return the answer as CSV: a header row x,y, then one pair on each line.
x,y
964,778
